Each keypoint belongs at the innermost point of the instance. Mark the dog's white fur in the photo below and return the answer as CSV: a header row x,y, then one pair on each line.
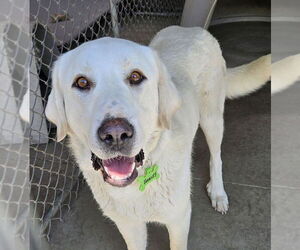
x,y
187,83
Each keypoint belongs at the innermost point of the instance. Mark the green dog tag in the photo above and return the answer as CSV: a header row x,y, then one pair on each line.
x,y
150,175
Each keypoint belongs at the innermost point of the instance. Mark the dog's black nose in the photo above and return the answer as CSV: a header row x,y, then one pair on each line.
x,y
116,132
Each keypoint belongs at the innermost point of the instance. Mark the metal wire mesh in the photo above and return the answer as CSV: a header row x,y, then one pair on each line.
x,y
14,185
57,27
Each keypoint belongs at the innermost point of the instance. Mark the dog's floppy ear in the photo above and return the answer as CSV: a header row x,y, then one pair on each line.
x,y
55,109
169,100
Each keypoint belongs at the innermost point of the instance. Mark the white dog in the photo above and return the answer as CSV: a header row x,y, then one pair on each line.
x,y
132,112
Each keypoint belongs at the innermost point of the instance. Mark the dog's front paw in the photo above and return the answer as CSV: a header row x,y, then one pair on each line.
x,y
218,197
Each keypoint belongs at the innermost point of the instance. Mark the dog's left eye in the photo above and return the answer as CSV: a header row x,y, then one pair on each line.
x,y
136,78
82,83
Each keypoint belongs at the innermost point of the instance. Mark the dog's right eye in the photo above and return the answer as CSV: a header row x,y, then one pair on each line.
x,y
82,83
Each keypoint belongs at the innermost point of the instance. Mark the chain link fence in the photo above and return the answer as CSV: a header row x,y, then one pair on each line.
x,y
14,154
57,26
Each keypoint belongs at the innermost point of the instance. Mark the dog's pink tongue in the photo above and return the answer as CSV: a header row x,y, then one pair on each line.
x,y
119,167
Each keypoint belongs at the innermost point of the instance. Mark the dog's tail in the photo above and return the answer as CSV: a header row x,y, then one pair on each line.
x,y
285,73
247,78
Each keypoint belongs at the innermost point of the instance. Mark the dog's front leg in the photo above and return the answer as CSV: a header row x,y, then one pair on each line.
x,y
178,229
133,232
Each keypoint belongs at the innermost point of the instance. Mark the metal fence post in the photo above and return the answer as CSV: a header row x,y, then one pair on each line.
x,y
114,19
198,13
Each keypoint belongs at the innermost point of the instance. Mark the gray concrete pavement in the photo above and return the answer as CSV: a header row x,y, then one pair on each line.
x,y
285,169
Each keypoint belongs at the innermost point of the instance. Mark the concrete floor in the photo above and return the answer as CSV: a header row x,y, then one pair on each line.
x,y
285,169
246,159
286,144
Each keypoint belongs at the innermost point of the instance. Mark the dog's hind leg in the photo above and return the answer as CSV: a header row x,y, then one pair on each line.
x,y
211,122
133,232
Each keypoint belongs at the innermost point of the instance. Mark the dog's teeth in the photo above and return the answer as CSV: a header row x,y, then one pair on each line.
x,y
117,178
106,170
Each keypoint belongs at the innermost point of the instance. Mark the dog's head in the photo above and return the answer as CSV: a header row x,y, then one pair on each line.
x,y
112,94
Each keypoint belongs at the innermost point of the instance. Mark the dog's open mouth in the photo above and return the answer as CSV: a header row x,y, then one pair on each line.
x,y
119,171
